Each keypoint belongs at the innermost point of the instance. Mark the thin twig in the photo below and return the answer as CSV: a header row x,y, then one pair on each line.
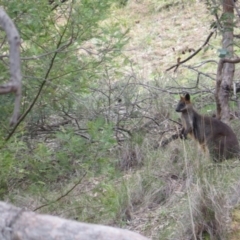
x,y
62,196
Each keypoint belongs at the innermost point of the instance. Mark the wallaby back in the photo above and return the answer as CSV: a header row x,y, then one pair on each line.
x,y
213,135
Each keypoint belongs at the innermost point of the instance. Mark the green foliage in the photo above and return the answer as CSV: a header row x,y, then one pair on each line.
x,y
7,166
51,40
110,199
43,165
101,132
56,53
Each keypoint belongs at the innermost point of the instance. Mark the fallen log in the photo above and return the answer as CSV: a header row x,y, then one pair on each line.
x,y
20,224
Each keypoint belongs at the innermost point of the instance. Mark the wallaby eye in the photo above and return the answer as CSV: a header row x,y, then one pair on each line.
x,y
182,105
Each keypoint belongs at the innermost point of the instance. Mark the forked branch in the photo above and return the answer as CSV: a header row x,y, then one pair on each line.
x,y
14,85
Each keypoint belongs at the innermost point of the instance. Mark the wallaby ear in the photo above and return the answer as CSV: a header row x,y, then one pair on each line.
x,y
187,97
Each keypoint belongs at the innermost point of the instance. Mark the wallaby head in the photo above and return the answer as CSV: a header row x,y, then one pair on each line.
x,y
184,104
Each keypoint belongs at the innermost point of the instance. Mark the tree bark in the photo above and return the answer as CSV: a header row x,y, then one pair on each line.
x,y
224,84
19,224
15,82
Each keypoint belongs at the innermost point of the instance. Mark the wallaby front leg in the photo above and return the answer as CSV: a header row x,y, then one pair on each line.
x,y
183,133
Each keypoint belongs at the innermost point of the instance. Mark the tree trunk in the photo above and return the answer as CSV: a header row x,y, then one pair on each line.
x,y
223,90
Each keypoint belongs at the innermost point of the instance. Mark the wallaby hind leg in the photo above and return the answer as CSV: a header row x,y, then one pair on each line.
x,y
204,147
216,149
224,149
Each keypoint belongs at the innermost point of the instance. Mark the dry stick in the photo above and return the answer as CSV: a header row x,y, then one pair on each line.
x,y
170,139
173,137
56,5
15,82
195,53
62,196
174,121
167,90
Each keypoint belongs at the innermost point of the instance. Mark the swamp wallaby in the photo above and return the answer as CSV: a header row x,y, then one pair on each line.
x,y
214,136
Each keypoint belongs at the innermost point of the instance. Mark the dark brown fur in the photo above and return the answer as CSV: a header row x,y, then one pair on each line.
x,y
213,135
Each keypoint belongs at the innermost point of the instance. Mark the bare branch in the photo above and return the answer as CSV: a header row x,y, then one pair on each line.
x,y
62,196
199,73
226,60
60,49
56,5
195,53
15,82
170,139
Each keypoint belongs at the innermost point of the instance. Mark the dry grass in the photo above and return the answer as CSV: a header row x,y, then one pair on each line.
x,y
158,37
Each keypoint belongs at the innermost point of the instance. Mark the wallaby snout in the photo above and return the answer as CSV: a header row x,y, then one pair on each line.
x,y
180,107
